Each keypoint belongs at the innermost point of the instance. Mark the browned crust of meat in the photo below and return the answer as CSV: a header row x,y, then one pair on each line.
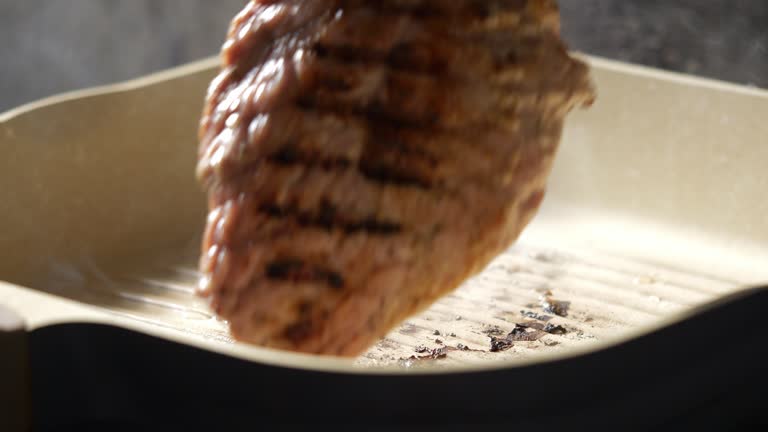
x,y
363,159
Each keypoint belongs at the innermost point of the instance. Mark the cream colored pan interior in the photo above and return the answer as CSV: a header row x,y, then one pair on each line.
x,y
657,206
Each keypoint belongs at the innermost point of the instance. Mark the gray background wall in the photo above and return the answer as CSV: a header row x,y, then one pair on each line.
x,y
49,46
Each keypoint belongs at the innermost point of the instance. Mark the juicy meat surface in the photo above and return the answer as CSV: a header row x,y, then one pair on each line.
x,y
363,158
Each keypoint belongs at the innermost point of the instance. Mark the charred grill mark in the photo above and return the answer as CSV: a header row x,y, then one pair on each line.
x,y
304,308
389,175
373,226
482,10
435,59
285,156
390,139
408,57
299,332
408,80
328,219
335,82
296,270
348,54
326,214
379,119
370,165
388,133
387,144
284,269
372,113
418,59
291,156
334,279
388,159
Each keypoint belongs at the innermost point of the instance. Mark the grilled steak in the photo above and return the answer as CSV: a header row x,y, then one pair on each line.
x,y
363,158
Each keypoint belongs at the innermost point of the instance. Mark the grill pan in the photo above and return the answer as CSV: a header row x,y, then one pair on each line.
x,y
639,267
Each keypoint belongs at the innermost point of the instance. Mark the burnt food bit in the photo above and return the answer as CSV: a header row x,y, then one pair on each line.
x,y
530,331
437,354
524,334
554,306
433,354
494,331
500,344
555,329
534,315
363,159
548,327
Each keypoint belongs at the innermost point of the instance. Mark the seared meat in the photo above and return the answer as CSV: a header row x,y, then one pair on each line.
x,y
363,158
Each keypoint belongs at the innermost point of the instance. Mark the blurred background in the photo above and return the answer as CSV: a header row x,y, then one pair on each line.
x,y
51,46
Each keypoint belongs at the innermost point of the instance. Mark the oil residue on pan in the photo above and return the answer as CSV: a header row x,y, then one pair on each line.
x,y
532,299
